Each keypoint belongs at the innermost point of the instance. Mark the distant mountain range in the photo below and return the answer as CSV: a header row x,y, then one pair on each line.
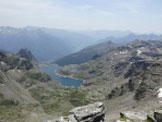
x,y
132,36
49,44
91,52
46,44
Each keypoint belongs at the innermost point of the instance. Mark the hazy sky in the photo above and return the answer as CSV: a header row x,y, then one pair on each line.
x,y
136,15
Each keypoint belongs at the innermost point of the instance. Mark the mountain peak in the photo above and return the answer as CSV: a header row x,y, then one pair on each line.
x,y
24,53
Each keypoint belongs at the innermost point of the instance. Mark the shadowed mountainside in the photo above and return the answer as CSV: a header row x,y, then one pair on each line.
x,y
89,53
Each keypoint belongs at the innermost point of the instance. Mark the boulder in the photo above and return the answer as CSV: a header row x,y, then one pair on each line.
x,y
151,118
70,118
123,121
158,115
134,116
3,66
90,113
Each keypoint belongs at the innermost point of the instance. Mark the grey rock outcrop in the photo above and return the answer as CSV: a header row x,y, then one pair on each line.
x,y
144,80
135,116
90,113
131,116
25,64
24,53
158,116
10,61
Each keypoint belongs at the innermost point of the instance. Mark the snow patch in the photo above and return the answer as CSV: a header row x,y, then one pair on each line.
x,y
123,52
49,121
131,62
160,93
2,63
139,52
19,70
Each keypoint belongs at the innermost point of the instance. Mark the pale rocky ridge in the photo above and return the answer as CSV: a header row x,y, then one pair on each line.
x,y
96,113
90,113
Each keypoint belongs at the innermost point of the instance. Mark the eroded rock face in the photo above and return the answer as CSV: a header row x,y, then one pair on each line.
x,y
24,53
144,81
158,115
90,113
25,64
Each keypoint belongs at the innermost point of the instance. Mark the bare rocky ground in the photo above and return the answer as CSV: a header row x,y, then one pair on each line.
x,y
91,113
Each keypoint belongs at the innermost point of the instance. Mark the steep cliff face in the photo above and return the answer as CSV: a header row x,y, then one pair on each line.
x,y
144,81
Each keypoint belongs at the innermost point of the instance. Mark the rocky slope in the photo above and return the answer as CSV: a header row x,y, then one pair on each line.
x,y
127,77
28,94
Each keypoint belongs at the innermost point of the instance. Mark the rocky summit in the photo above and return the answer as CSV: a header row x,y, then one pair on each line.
x,y
90,113
96,113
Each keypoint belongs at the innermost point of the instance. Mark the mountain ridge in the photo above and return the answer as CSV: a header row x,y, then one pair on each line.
x,y
81,56
44,41
127,77
41,41
86,54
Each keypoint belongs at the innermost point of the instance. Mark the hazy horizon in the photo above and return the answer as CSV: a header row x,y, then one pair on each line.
x,y
86,30
141,16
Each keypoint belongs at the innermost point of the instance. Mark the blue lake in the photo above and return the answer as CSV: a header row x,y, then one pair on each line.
x,y
50,70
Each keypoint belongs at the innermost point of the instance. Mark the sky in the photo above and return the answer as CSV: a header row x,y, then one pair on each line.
x,y
134,15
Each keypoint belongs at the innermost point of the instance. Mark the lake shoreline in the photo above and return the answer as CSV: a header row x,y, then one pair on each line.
x,y
64,76
61,79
